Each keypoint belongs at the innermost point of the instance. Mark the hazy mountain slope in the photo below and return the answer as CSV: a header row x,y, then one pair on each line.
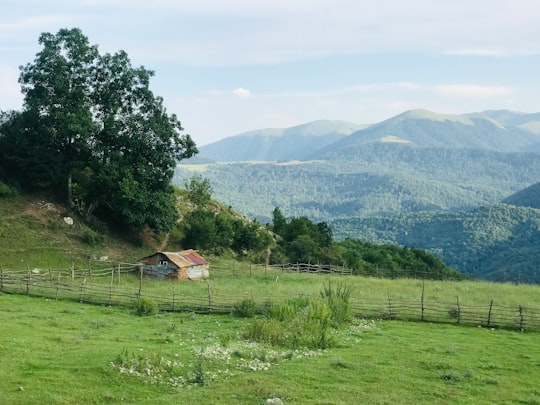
x,y
425,129
529,197
295,143
496,242
529,122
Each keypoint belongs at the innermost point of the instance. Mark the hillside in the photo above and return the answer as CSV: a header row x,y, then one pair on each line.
x,y
529,197
497,242
33,234
425,129
275,144
383,180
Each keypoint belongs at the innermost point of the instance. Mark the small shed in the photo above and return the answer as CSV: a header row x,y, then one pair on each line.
x,y
183,265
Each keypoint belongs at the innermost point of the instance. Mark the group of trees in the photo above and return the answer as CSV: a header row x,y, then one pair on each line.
x,y
92,131
301,240
207,225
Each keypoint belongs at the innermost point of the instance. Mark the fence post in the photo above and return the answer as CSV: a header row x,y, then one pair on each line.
x,y
521,320
458,310
89,268
140,280
81,296
489,313
28,279
250,268
423,287
72,271
173,300
57,287
1,278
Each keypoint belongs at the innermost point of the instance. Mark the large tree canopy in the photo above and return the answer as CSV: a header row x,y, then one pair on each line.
x,y
92,129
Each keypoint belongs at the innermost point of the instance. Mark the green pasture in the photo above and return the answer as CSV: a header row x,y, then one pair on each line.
x,y
64,352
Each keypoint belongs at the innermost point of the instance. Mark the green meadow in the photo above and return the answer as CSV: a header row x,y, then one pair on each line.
x,y
66,352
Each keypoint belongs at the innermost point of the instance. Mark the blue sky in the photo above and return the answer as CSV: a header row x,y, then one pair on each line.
x,y
226,67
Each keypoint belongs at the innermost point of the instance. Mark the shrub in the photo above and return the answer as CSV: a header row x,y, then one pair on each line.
x,y
145,307
92,238
268,331
295,324
320,320
7,191
337,299
245,308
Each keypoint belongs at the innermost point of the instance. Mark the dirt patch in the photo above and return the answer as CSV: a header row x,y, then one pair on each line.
x,y
43,211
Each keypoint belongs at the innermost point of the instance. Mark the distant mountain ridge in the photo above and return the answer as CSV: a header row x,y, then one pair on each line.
x,y
275,144
496,130
515,132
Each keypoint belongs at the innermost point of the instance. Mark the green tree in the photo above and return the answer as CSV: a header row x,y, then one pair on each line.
x,y
199,190
200,230
96,126
57,90
278,221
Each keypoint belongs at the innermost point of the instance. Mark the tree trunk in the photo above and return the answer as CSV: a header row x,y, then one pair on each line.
x,y
69,192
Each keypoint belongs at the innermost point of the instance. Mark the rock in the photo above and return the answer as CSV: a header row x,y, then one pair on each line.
x,y
68,220
274,401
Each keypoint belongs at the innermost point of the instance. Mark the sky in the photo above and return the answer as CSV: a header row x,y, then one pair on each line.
x,y
227,67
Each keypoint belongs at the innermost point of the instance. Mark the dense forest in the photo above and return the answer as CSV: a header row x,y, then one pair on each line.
x,y
380,180
497,242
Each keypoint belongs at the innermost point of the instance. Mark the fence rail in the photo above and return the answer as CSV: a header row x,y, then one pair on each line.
x,y
45,285
311,268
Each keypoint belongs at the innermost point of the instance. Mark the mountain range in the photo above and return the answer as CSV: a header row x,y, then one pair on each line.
x,y
349,175
274,144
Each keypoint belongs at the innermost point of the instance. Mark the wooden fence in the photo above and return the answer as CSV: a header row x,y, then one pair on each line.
x,y
45,285
312,268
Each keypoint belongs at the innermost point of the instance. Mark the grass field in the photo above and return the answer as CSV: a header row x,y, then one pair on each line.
x,y
60,352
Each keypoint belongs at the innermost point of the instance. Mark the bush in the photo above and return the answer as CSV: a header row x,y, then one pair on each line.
x,y
145,307
245,308
299,323
7,191
269,331
92,238
337,299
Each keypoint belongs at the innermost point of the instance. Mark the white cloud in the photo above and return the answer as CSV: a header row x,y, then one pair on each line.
x,y
241,92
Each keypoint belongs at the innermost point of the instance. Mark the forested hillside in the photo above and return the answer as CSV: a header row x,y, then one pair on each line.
x,y
377,179
499,242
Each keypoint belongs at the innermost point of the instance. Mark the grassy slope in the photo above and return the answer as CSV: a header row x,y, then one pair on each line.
x,y
60,353
34,234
